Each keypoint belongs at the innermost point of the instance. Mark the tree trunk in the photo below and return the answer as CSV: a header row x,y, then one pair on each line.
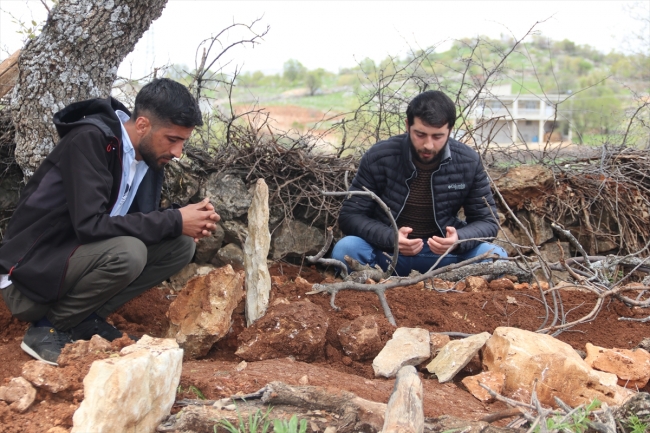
x,y
74,58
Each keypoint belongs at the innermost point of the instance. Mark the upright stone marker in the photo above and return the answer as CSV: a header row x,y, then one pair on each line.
x,y
405,411
256,250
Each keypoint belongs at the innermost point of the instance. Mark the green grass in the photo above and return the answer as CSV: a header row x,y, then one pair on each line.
x,y
258,422
636,425
291,426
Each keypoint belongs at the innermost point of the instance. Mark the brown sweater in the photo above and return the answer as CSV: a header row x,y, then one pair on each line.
x,y
418,210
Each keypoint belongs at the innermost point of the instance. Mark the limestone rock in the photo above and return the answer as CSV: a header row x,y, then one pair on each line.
x,y
99,344
475,284
525,357
505,236
235,232
632,367
361,338
295,238
644,344
501,284
552,252
45,376
132,393
228,194
180,184
492,379
256,249
201,313
409,346
538,226
208,246
303,285
297,329
180,279
232,255
405,411
437,342
456,355
20,393
524,183
605,244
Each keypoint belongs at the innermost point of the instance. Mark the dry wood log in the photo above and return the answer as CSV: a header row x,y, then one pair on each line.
x,y
9,73
405,412
356,414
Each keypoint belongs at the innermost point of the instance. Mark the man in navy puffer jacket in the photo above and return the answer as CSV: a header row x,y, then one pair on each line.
x,y
424,177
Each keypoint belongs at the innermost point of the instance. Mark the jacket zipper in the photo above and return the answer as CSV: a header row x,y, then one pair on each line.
x,y
119,157
433,198
406,182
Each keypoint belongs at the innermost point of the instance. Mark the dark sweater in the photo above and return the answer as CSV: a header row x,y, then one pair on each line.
x,y
418,210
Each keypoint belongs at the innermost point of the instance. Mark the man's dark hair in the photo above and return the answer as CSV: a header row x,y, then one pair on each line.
x,y
168,102
432,107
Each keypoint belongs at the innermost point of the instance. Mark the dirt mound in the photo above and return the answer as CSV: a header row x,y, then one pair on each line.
x,y
221,373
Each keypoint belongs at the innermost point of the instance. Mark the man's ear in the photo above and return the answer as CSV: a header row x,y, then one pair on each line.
x,y
142,125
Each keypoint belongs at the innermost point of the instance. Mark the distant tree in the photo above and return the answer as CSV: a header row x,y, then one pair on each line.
x,y
314,80
595,110
250,79
293,71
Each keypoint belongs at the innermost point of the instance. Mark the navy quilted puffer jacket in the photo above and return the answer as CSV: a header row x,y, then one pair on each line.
x,y
387,170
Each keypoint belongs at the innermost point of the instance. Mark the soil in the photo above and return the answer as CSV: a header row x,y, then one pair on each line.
x,y
221,373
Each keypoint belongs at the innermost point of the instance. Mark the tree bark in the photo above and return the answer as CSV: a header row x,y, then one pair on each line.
x,y
74,58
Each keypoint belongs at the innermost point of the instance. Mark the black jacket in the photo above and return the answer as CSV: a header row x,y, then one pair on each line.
x,y
67,202
387,170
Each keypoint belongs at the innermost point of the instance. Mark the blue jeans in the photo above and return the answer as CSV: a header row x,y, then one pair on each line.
x,y
365,253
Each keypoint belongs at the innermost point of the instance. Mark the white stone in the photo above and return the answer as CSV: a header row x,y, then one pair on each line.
x,y
405,410
455,355
529,359
132,393
201,314
45,376
19,393
256,250
409,346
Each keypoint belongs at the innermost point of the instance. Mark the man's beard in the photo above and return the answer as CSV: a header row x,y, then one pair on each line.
x,y
149,155
415,152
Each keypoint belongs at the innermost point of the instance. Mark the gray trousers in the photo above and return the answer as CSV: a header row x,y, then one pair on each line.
x,y
103,276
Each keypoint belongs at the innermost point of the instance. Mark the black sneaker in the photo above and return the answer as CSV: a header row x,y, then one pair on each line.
x,y
86,330
45,343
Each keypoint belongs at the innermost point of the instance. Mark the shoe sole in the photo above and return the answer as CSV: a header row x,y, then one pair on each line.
x,y
33,354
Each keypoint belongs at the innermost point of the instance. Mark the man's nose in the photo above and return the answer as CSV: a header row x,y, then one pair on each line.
x,y
177,150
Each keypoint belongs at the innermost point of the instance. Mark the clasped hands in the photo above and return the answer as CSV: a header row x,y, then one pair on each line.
x,y
437,245
199,219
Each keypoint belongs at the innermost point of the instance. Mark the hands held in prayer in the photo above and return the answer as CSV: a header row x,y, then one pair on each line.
x,y
437,245
199,220
440,245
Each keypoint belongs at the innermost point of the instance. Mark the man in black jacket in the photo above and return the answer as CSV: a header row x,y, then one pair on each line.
x,y
425,178
87,235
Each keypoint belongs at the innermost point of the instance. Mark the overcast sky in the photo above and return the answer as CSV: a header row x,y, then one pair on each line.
x,y
336,34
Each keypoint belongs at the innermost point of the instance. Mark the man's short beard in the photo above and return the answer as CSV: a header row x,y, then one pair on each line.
x,y
417,155
148,155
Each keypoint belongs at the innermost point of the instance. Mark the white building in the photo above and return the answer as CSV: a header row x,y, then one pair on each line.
x,y
501,116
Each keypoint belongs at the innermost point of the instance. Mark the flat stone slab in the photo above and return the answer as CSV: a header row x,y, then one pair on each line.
x,y
456,355
409,346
